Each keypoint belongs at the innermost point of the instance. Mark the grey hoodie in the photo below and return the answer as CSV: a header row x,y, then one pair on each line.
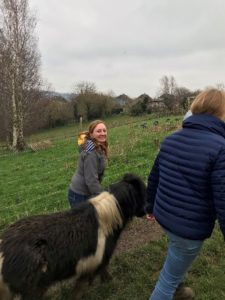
x,y
89,173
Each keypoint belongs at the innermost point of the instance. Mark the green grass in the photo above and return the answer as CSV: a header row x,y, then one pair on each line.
x,y
37,182
135,273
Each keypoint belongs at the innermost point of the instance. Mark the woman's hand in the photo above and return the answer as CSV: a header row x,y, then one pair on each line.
x,y
150,217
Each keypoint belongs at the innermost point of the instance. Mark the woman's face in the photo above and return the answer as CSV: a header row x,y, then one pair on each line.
x,y
99,133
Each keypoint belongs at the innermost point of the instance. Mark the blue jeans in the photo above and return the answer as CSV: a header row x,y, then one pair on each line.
x,y
75,198
180,255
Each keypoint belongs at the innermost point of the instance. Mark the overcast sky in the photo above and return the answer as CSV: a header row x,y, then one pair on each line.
x,y
128,45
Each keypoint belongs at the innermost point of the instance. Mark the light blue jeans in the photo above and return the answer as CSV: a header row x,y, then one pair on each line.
x,y
180,255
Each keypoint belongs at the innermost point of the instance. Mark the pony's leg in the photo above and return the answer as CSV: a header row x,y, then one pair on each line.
x,y
78,289
34,295
5,293
105,275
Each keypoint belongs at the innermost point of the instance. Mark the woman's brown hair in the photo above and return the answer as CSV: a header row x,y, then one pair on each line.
x,y
210,101
99,147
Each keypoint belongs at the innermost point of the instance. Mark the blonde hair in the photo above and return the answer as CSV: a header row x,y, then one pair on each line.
x,y
210,101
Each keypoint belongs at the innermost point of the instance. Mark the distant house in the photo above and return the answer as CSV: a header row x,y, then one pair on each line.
x,y
122,99
144,97
144,101
157,105
139,105
167,101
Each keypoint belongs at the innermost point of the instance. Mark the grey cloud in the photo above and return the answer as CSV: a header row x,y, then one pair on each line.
x,y
129,45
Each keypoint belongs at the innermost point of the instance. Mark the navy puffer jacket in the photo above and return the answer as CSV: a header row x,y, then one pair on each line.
x,y
186,186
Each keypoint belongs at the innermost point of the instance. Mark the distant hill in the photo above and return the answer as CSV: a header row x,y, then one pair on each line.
x,y
66,96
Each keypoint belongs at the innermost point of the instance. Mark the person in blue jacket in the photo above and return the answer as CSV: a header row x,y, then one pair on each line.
x,y
186,190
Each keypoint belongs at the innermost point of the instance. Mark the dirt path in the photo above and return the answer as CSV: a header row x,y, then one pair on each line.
x,y
138,232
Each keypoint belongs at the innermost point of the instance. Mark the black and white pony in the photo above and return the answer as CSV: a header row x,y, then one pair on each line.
x,y
38,251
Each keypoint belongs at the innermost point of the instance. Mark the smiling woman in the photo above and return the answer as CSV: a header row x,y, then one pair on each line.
x,y
86,181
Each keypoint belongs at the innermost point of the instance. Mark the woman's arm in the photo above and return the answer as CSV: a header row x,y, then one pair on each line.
x,y
91,175
218,188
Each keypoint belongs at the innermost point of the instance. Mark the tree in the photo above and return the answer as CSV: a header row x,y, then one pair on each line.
x,y
18,50
83,91
170,101
220,86
168,85
183,95
136,109
174,97
85,87
3,91
141,105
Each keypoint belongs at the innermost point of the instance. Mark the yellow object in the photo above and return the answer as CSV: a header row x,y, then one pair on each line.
x,y
81,138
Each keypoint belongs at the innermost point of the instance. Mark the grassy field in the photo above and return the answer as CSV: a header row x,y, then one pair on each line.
x,y
37,182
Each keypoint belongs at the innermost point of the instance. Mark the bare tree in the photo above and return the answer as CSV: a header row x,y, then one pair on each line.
x,y
164,85
183,95
220,86
84,91
167,92
3,89
21,66
85,87
89,103
168,85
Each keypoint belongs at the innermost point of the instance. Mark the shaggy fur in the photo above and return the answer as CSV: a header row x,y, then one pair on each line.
x,y
38,251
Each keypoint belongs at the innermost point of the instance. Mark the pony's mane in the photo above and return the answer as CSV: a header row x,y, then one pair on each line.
x,y
109,216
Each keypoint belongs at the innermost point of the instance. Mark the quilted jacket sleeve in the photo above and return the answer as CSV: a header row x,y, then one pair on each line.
x,y
218,188
153,180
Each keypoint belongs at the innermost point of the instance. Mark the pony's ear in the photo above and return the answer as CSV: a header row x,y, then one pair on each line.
x,y
135,181
129,177
139,191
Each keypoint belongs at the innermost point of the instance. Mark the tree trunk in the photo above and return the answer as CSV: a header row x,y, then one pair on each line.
x,y
13,145
21,145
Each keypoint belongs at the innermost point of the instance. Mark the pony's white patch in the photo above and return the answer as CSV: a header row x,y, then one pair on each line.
x,y
44,268
1,279
109,216
90,263
1,263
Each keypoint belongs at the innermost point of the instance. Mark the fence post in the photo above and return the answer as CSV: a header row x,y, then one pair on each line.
x,y
81,123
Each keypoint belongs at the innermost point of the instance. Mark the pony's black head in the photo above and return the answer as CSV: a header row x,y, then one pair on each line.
x,y
139,188
130,193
